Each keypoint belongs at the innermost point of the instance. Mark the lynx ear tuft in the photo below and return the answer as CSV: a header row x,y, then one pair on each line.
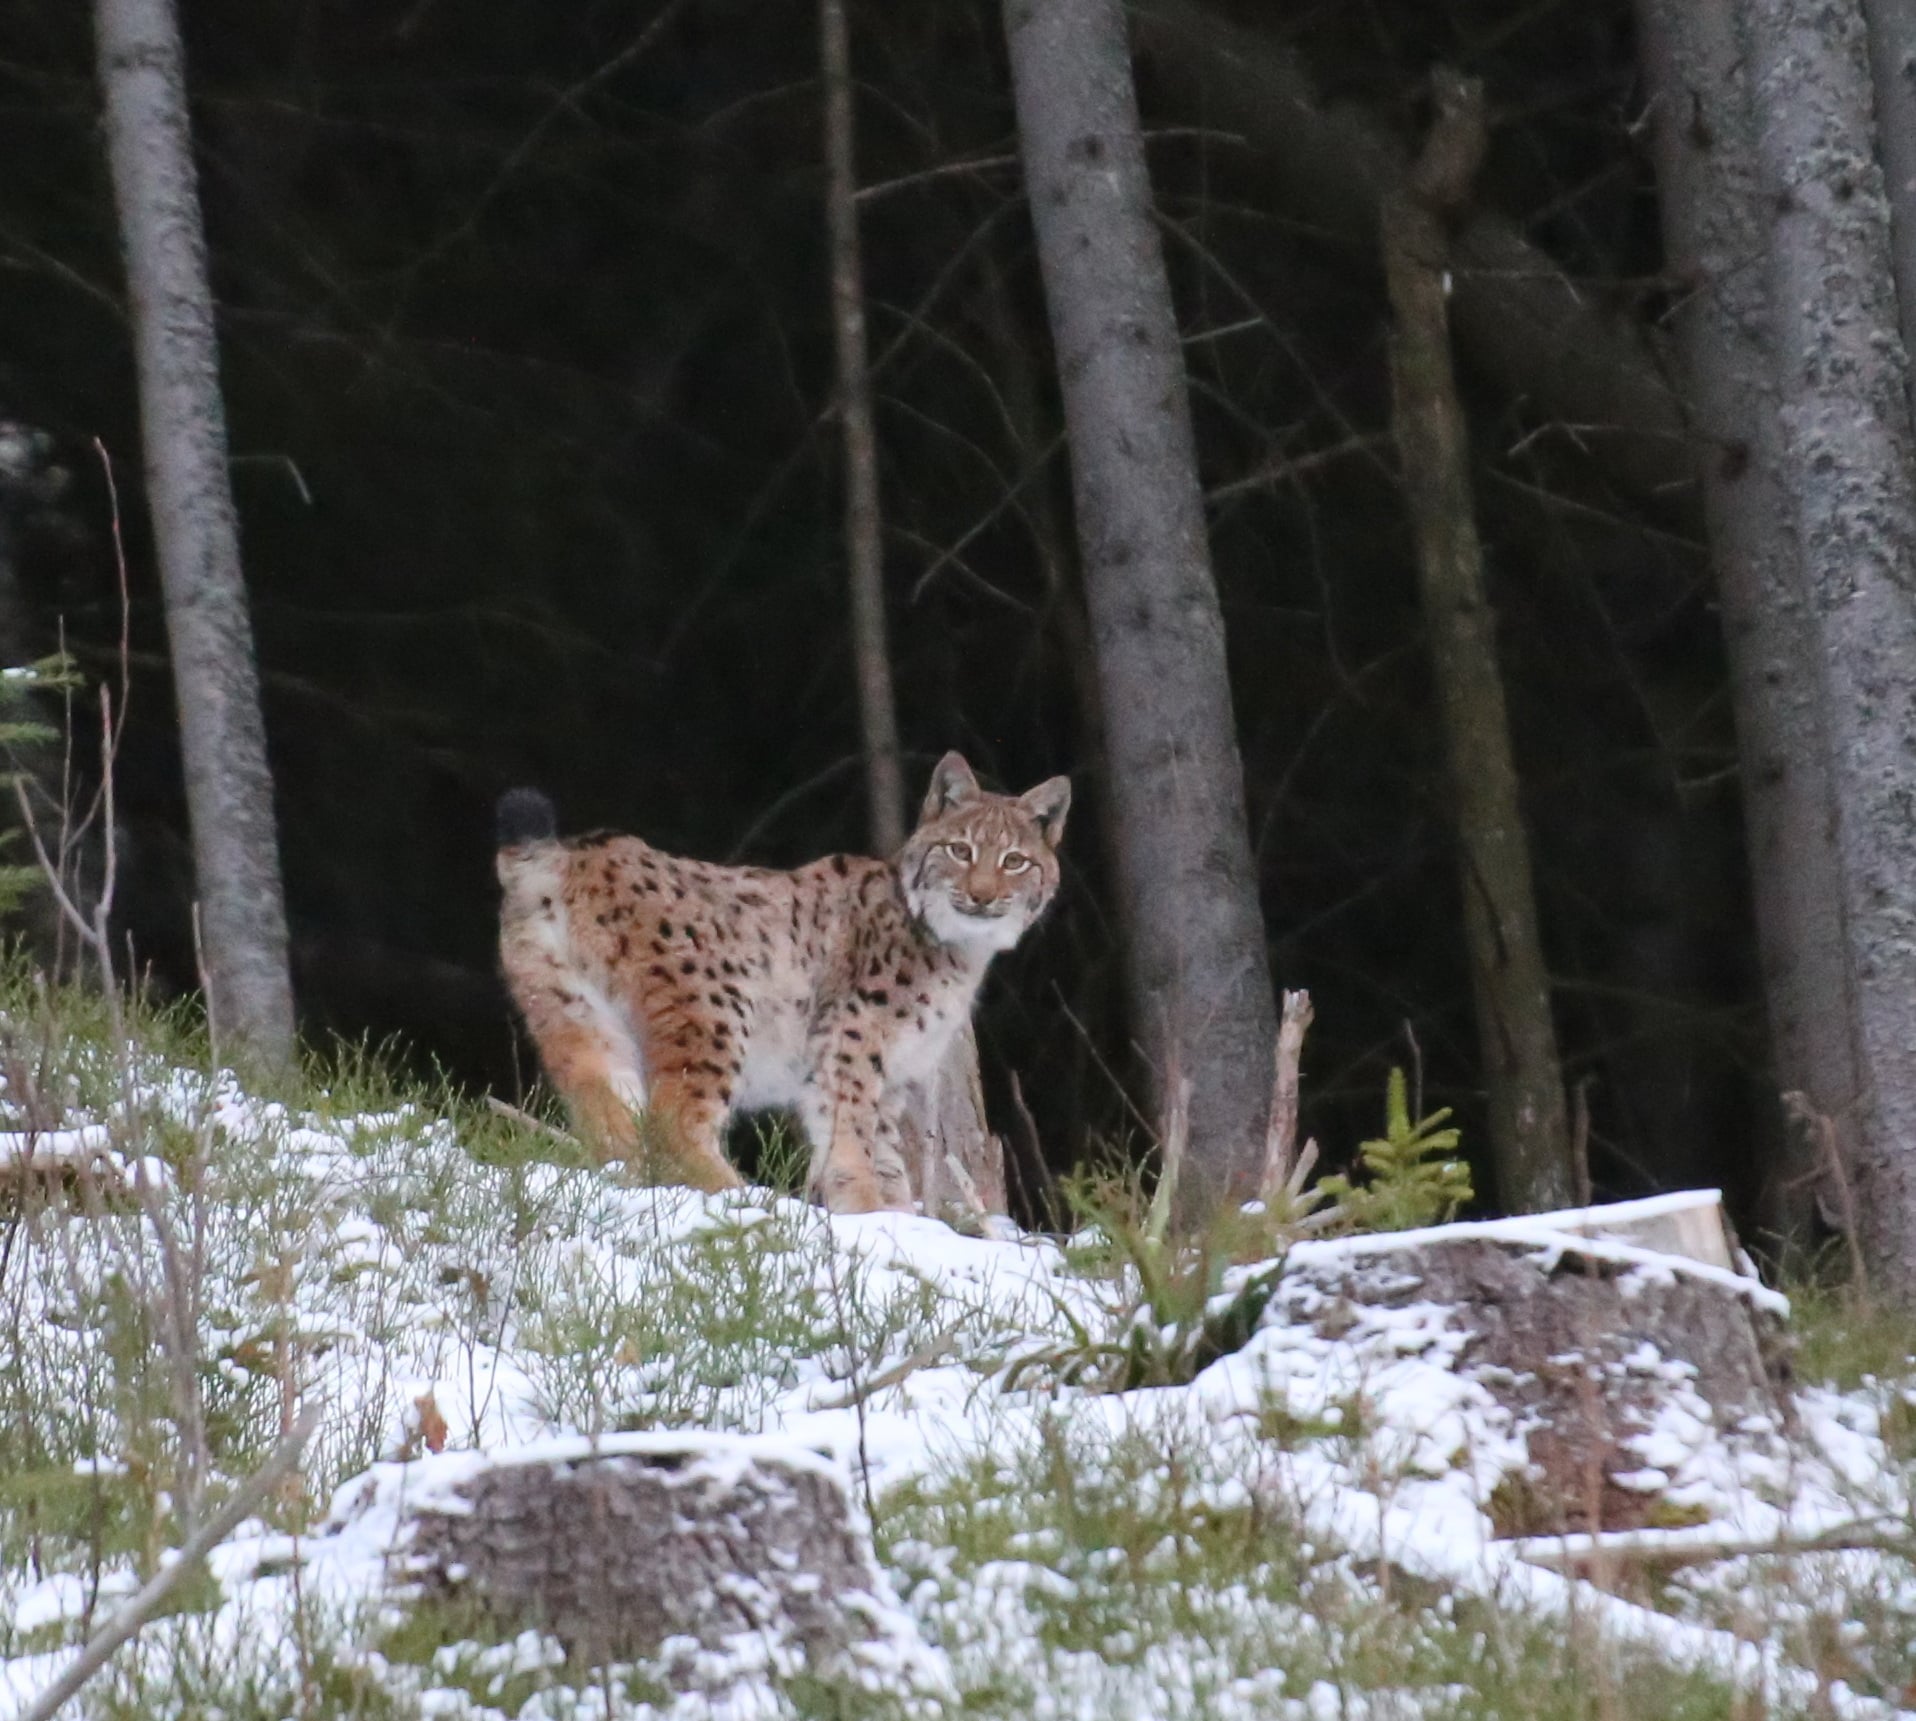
x,y
952,784
1048,804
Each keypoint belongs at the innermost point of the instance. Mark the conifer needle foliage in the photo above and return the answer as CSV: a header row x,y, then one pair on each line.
x,y
1415,1175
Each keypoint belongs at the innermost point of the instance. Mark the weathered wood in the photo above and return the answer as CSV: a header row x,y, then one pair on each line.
x,y
617,1547
1584,1341
1688,1222
944,1122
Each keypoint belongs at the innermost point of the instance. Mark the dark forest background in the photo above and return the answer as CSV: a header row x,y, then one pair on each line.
x,y
527,357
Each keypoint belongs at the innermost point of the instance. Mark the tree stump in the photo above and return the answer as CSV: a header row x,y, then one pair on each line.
x,y
1612,1360
956,1165
640,1544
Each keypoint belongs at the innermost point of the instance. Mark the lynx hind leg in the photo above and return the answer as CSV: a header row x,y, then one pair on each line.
x,y
595,1067
683,1132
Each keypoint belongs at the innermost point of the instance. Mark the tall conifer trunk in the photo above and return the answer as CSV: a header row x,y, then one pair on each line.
x,y
1715,222
1516,1036
1200,987
1852,470
864,537
229,789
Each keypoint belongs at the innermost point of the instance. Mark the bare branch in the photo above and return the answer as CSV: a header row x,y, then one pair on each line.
x,y
140,1609
1280,1139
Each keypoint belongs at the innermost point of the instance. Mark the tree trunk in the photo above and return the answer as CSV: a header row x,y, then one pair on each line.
x,y
1522,324
1892,58
229,790
1200,986
945,1119
1846,419
1529,1134
864,540
1715,222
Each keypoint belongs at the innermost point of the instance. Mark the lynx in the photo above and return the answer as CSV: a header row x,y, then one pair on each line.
x,y
664,994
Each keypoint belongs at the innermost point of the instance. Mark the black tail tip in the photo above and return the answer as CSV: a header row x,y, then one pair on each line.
x,y
525,816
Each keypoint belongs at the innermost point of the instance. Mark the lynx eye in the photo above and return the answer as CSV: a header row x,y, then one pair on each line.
x,y
1014,861
960,852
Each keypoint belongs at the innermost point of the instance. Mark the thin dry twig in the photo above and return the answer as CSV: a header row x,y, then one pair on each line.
x,y
1041,1193
1822,1131
939,1348
1580,1139
526,1120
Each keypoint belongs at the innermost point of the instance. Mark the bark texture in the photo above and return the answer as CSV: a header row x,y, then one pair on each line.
x,y
1521,322
1517,1040
1852,461
1586,1347
1200,987
1892,59
229,789
1715,232
618,1549
864,537
956,1165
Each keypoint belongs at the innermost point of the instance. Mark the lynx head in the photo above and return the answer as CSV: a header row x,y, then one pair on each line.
x,y
980,867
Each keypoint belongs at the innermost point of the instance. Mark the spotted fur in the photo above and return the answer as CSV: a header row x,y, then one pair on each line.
x,y
665,994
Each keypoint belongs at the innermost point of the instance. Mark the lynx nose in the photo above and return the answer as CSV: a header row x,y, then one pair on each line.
x,y
977,898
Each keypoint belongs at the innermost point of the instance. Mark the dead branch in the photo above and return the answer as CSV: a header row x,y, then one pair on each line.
x,y
128,1620
1821,1131
1587,1555
1280,1140
526,1120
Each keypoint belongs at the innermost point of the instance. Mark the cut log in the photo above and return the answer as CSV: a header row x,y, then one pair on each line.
x,y
1613,1361
639,1546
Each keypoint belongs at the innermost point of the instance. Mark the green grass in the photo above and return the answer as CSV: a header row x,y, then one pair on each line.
x,y
1097,1559
1143,1582
1843,1339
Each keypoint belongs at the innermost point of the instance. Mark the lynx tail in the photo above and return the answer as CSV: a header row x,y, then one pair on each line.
x,y
525,816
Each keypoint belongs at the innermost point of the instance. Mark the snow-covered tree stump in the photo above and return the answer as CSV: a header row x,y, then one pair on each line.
x,y
1603,1352
720,1553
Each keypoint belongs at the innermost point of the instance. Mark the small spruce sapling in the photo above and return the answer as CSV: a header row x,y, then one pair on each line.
x,y
1415,1174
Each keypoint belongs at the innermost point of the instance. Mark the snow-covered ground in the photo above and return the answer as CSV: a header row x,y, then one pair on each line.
x,y
1303,1530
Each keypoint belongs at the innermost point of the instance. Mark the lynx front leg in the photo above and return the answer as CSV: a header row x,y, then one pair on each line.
x,y
888,1164
856,1167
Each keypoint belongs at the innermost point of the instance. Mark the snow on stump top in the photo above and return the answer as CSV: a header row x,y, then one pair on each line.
x,y
722,1555
1615,1361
